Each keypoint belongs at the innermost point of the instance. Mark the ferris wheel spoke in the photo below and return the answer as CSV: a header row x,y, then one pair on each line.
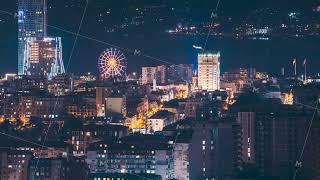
x,y
117,71
108,54
114,54
119,54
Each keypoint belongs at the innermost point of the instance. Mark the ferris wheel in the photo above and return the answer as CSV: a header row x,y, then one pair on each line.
x,y
112,63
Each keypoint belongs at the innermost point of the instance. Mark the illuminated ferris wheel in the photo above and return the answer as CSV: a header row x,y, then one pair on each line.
x,y
112,64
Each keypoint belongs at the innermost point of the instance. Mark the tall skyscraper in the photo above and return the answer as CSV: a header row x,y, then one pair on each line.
x,y
31,23
209,71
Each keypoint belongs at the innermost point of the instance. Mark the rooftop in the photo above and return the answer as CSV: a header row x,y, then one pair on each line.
x,y
161,114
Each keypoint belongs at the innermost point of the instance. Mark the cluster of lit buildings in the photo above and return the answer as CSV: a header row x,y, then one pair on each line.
x,y
207,77
169,123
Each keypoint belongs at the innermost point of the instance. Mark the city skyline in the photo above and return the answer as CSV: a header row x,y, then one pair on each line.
x,y
183,55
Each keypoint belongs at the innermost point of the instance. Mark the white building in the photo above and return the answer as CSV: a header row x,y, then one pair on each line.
x,y
209,71
159,120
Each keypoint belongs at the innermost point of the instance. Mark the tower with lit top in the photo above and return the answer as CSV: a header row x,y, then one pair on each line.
x,y
32,20
209,71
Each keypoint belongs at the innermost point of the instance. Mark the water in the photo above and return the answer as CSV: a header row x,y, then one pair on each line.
x,y
267,56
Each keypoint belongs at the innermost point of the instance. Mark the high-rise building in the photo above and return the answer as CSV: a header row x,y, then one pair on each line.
x,y
273,138
180,73
31,23
209,71
280,138
161,74
212,150
149,74
14,164
43,57
247,122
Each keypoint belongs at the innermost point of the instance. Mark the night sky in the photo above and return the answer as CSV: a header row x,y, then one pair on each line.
x,y
264,55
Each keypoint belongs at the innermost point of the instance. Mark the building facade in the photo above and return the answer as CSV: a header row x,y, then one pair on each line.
x,y
41,107
212,152
180,73
62,168
209,71
159,120
14,164
150,157
83,107
101,93
280,139
116,105
247,122
157,73
43,57
181,161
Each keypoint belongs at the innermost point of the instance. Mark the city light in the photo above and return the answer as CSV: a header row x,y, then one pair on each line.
x,y
162,89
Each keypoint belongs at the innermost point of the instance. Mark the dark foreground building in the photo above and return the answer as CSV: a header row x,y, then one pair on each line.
x,y
273,138
59,168
123,176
